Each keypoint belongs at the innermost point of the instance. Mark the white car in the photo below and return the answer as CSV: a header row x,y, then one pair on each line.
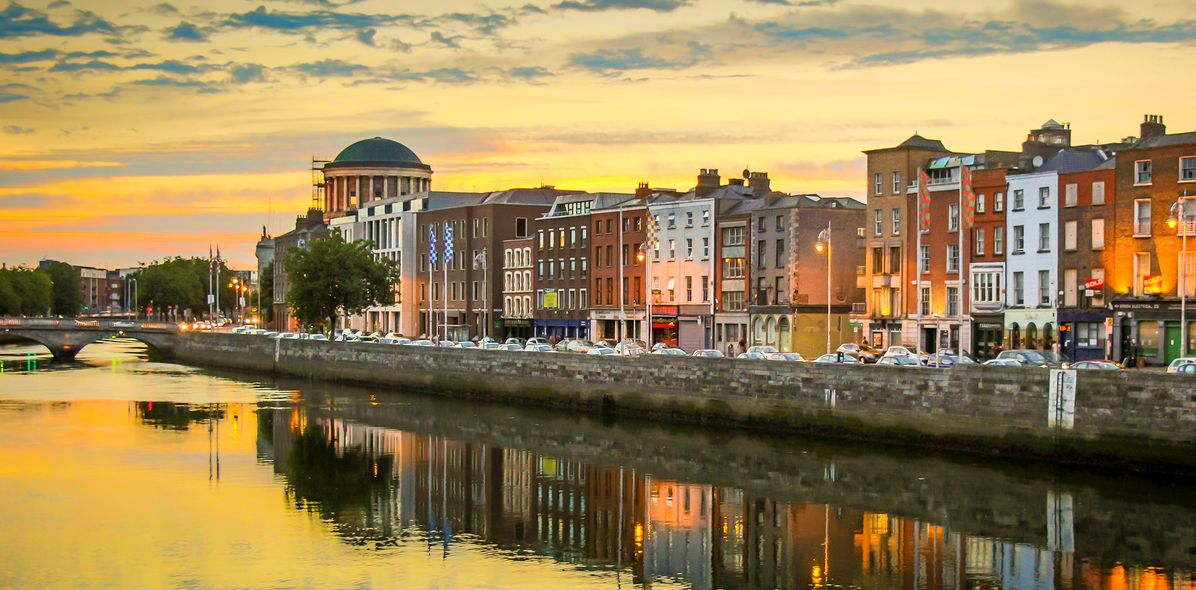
x,y
792,357
1179,362
709,353
837,358
466,344
531,341
317,337
538,348
899,360
602,351
669,352
422,343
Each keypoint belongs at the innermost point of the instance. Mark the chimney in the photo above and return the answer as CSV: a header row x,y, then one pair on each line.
x,y
1152,125
734,182
642,190
759,183
708,181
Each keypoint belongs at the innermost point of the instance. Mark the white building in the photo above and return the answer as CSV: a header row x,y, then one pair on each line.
x,y
1032,259
681,274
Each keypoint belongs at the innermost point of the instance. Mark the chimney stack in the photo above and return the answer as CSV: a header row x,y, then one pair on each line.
x,y
1152,125
759,183
642,190
708,181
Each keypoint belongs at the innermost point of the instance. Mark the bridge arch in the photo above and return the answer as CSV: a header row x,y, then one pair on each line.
x,y
64,344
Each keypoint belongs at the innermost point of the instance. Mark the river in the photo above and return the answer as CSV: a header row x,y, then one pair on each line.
x,y
121,472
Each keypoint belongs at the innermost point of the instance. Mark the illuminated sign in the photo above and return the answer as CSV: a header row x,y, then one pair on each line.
x,y
1094,284
1152,283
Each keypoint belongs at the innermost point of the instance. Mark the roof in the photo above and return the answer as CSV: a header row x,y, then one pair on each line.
x,y
1074,160
1051,124
1166,140
377,151
917,141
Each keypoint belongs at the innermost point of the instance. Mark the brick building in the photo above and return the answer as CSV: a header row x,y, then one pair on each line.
x,y
1086,200
518,293
618,233
562,277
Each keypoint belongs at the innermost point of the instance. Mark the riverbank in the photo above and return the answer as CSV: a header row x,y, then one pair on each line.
x,y
1118,421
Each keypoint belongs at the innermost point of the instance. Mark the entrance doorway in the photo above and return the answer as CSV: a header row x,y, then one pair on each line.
x,y
1173,343
930,337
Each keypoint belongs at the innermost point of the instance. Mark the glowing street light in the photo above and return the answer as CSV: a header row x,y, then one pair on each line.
x,y
824,244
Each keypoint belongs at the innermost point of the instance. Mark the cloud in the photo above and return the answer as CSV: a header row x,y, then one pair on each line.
x,y
27,165
329,68
366,36
18,130
24,57
451,42
185,31
58,4
528,72
612,61
600,5
170,66
305,22
7,97
164,9
18,21
483,23
247,73
165,82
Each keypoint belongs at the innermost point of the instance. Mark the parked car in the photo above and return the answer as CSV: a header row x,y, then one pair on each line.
x,y
708,353
424,342
751,356
631,343
317,337
786,356
578,345
1188,369
669,352
447,344
898,360
602,351
538,348
520,341
1036,358
1003,363
536,340
511,347
1100,365
861,352
837,358
946,360
762,349
661,345
466,344
1179,362
604,344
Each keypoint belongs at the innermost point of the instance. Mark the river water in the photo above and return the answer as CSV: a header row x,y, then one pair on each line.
x,y
120,472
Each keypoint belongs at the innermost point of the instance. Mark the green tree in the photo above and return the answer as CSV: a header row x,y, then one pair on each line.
x,y
180,282
67,289
34,290
10,301
334,277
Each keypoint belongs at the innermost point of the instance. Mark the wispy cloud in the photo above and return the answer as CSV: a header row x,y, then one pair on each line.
x,y
615,61
18,21
185,31
304,22
600,5
18,130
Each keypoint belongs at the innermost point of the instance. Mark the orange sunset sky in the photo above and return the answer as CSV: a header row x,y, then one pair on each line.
x,y
135,130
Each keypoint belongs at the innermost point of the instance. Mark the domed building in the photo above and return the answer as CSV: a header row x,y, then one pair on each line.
x,y
371,169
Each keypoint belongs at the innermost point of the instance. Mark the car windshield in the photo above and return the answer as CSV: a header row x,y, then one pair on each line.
x,y
1034,356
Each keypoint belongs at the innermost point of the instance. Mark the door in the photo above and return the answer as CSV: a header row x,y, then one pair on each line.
x,y
930,339
1173,343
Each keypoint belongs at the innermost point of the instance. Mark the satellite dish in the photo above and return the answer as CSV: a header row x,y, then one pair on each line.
x,y
1037,161
747,173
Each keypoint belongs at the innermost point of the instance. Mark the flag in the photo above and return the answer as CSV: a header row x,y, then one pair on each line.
x,y
432,251
448,243
653,232
923,201
967,195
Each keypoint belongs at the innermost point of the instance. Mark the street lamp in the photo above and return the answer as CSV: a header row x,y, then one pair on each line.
x,y
824,244
1180,215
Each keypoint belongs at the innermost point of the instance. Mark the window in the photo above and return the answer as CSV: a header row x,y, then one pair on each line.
x,y
573,237
878,180
1019,288
1019,239
878,222
1098,295
952,300
1142,172
986,287
1070,280
894,259
979,239
521,227
1142,218
562,234
689,219
705,218
732,268
760,224
732,236
1098,233
689,248
584,267
1187,169
780,290
1069,236
780,223
583,299
1044,197
705,288
896,221
952,257
672,249
1098,192
896,182
924,301
585,235
732,301
1071,194
540,269
878,260
780,254
540,238
1141,270
924,259
689,288
980,203
953,217
998,202
1044,237
672,220
705,248
1019,200
761,255
1044,288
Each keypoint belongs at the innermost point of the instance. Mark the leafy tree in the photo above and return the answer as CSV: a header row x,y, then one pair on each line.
x,y
34,290
10,301
334,277
67,288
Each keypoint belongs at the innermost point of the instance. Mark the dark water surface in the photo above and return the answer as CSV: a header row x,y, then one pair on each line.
x,y
120,472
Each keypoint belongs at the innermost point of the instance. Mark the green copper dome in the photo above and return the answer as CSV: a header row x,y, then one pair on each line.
x,y
378,151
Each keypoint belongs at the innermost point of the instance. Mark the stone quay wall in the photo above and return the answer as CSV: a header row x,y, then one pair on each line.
x,y
1119,420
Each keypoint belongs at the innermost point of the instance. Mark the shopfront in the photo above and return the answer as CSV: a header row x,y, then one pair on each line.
x,y
1031,328
1085,335
1152,330
562,329
664,324
990,335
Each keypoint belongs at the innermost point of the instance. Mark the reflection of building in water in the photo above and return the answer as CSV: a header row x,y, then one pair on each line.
x,y
377,485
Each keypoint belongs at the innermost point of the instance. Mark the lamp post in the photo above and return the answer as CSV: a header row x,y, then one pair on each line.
x,y
824,244
479,263
1180,218
133,284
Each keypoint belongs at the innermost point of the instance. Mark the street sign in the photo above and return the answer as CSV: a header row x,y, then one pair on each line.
x,y
1094,283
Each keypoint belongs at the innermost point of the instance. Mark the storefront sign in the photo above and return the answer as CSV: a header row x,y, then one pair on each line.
x,y
663,310
1152,283
1094,284
550,300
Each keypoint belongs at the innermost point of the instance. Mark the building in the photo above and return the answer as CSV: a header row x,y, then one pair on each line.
x,y
368,170
681,267
1152,219
562,277
892,175
986,267
517,287
1086,200
307,228
733,274
1032,263
788,307
619,225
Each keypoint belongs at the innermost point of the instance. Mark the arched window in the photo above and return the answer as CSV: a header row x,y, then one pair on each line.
x,y
784,342
770,332
1048,336
1015,335
527,257
506,306
758,331
1031,335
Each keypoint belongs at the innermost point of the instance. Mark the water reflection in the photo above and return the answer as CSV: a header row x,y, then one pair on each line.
x,y
379,484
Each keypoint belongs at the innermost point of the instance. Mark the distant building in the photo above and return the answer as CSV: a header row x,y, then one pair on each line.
x,y
307,228
518,291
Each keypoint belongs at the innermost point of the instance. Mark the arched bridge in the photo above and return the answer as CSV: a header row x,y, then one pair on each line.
x,y
65,337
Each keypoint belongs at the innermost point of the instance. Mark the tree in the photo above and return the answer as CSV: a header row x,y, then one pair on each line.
x,y
67,288
33,289
179,282
10,301
334,277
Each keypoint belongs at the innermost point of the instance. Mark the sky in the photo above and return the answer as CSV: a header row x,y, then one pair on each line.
x,y
131,131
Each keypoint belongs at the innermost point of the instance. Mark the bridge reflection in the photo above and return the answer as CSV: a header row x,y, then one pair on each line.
x,y
380,485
